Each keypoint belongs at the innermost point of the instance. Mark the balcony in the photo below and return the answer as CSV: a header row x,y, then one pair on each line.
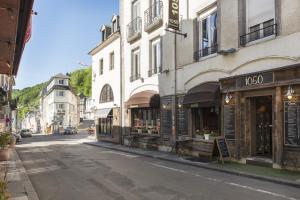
x,y
205,52
154,71
258,34
135,77
153,17
134,30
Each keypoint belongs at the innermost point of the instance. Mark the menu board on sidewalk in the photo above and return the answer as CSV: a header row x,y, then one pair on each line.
x,y
229,122
292,123
223,148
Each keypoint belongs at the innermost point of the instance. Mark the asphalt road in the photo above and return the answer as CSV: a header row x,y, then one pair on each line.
x,y
62,168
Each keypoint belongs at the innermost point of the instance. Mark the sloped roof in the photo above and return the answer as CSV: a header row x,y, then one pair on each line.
x,y
60,75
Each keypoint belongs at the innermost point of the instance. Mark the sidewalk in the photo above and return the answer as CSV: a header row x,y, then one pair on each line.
x,y
19,186
276,176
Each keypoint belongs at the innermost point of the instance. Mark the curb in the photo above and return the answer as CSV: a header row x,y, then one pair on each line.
x,y
204,166
28,187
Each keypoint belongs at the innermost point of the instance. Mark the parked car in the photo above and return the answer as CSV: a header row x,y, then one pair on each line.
x,y
26,133
18,137
70,131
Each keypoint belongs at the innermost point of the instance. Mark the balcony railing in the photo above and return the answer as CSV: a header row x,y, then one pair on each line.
x,y
258,34
205,52
134,29
154,71
153,16
135,77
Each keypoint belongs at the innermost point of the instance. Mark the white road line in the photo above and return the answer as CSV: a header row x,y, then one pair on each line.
x,y
20,198
122,154
214,180
261,191
170,168
42,169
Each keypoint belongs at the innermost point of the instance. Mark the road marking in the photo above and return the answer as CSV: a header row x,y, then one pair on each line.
x,y
119,153
20,198
170,168
42,169
260,190
214,180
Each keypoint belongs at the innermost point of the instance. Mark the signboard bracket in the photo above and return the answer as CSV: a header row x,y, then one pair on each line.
x,y
177,32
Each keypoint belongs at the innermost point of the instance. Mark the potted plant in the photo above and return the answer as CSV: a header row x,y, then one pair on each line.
x,y
150,129
4,144
206,134
199,134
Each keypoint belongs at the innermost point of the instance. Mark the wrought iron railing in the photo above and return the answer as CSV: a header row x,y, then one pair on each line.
x,y
154,71
135,26
205,52
153,13
135,77
258,34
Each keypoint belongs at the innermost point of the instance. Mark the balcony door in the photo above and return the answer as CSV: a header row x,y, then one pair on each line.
x,y
136,11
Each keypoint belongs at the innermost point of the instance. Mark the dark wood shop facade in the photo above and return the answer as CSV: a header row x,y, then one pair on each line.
x,y
261,116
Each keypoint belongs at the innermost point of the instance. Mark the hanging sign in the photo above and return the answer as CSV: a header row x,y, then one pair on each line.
x,y
173,21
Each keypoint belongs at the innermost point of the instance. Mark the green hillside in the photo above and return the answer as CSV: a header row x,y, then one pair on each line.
x,y
28,98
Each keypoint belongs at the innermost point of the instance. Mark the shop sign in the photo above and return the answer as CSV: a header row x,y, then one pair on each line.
x,y
195,105
173,21
255,79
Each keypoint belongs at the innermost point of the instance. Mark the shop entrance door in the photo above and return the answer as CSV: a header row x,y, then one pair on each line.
x,y
264,126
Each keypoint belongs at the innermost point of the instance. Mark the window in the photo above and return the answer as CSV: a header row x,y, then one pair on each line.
x,y
146,120
61,82
101,67
135,66
60,93
155,61
156,8
115,26
103,35
260,21
205,119
106,94
60,106
208,43
111,60
135,9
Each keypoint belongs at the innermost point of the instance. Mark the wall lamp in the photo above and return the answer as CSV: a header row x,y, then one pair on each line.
x,y
290,93
227,99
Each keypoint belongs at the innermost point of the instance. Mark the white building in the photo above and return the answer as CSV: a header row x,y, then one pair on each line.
x,y
86,108
142,30
32,122
106,82
58,105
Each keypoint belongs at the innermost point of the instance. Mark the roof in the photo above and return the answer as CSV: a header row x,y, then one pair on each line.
x,y
60,75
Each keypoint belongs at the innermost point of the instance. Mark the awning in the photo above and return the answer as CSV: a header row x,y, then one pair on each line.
x,y
205,95
102,113
144,99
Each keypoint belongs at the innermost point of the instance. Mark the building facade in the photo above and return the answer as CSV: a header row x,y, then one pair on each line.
x,y
233,71
58,105
32,121
106,83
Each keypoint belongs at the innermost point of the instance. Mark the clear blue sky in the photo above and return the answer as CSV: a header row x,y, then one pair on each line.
x,y
64,31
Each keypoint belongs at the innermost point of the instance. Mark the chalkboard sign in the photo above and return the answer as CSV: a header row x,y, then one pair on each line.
x,y
292,123
229,122
223,148
182,121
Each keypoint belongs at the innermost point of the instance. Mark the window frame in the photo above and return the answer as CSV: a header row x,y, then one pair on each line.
x,y
155,66
135,63
101,66
112,60
106,94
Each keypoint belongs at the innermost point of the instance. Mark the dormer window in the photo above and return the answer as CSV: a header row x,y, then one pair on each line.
x,y
114,26
103,35
61,82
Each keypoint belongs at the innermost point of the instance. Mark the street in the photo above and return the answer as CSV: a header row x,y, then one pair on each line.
x,y
62,168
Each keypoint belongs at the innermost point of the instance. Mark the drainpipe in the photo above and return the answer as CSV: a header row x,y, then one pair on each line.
x,y
121,129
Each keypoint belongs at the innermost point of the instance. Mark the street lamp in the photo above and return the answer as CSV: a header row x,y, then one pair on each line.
x,y
290,93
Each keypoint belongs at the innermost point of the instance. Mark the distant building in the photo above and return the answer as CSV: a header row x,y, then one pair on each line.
x,y
32,121
58,105
86,107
